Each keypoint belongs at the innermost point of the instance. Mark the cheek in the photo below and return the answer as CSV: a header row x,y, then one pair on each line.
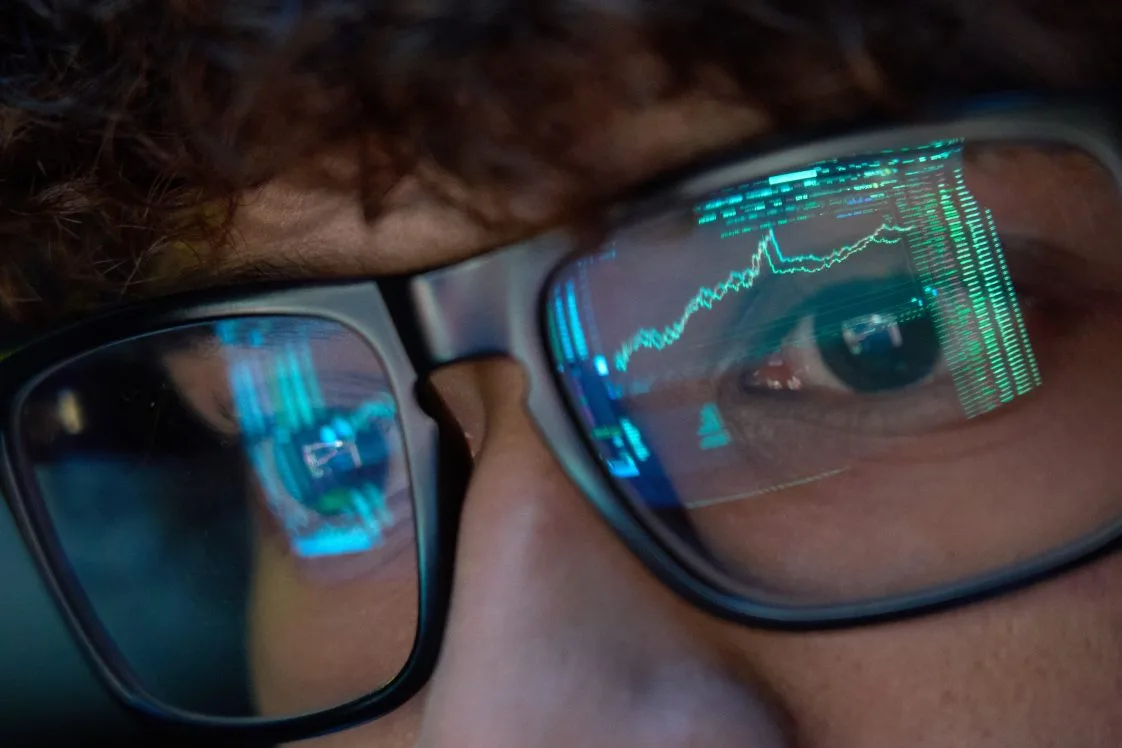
x,y
947,507
1038,668
321,637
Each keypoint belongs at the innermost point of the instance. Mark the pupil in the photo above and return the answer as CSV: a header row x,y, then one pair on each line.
x,y
878,336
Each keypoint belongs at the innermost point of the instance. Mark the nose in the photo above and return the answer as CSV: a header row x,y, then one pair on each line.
x,y
557,636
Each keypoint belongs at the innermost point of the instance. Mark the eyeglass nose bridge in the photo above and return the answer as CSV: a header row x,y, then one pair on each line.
x,y
491,305
488,305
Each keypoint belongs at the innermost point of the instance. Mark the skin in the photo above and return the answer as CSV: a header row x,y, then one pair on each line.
x,y
559,637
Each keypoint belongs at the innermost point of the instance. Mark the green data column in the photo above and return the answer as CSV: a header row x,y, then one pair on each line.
x,y
961,265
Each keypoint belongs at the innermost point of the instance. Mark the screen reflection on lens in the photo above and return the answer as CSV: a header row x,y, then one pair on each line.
x,y
235,503
812,385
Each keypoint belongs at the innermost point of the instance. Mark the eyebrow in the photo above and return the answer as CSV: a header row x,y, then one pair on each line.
x,y
295,267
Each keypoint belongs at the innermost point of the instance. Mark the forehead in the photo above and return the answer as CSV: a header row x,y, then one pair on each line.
x,y
327,233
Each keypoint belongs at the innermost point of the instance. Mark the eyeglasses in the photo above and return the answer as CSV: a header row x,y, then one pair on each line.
x,y
856,380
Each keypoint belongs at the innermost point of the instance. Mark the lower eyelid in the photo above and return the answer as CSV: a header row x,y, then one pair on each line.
x,y
757,413
852,416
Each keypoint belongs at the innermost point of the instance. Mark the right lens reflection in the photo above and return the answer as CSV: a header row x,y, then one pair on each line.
x,y
234,499
863,377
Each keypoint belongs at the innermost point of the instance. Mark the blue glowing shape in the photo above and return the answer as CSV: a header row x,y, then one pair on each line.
x,y
623,467
333,542
579,341
343,428
635,439
563,329
712,432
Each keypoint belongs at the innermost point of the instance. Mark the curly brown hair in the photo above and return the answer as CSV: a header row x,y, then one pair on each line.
x,y
131,126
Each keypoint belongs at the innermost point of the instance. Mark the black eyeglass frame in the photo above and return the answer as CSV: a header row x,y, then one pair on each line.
x,y
486,306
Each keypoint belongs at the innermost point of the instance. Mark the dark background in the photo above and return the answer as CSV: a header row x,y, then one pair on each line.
x,y
48,695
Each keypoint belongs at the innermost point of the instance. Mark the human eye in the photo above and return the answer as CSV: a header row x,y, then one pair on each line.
x,y
868,342
312,419
319,429
835,382
868,336
239,473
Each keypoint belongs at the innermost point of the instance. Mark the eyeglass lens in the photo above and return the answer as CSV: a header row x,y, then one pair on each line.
x,y
230,497
859,378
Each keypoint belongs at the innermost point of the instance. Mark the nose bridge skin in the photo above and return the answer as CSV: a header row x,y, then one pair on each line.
x,y
557,635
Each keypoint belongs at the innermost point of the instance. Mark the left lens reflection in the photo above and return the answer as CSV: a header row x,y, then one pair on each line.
x,y
234,501
323,461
